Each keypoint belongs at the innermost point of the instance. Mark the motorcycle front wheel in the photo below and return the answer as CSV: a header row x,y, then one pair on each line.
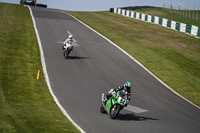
x,y
102,110
115,111
66,53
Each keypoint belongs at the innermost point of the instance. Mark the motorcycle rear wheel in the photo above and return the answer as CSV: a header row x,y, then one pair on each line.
x,y
114,111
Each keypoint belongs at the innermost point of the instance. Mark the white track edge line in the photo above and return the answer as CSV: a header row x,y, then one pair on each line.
x,y
135,61
46,75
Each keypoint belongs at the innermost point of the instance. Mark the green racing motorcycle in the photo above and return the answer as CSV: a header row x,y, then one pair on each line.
x,y
114,104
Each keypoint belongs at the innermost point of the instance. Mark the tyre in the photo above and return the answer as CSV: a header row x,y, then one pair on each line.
x,y
66,53
102,109
66,56
115,111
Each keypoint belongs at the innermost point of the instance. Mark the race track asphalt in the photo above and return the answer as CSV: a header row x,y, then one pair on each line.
x,y
94,67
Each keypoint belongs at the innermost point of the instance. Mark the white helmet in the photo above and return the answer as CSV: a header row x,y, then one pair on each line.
x,y
70,36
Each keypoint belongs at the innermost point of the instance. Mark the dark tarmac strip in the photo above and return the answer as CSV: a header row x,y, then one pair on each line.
x,y
95,66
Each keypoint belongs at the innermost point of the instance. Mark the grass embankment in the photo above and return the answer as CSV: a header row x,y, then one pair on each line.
x,y
25,102
172,56
172,16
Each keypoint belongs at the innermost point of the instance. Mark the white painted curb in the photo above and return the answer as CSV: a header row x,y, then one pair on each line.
x,y
135,61
46,75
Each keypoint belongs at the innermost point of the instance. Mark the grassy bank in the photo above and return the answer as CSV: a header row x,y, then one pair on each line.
x,y
25,102
172,56
171,16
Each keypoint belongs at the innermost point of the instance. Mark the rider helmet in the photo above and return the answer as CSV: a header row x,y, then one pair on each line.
x,y
70,37
127,86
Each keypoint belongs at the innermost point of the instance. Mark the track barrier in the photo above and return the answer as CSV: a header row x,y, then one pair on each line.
x,y
181,27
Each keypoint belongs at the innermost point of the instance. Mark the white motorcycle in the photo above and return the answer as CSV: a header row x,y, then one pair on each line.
x,y
67,50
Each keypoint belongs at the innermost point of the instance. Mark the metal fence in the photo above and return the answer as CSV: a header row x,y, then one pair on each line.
x,y
188,13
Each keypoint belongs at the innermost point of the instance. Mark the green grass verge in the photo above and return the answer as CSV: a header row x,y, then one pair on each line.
x,y
171,16
172,56
26,104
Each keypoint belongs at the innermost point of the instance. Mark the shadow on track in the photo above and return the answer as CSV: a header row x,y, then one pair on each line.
x,y
76,58
132,117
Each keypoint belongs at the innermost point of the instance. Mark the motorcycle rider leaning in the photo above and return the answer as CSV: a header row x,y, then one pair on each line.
x,y
126,87
68,43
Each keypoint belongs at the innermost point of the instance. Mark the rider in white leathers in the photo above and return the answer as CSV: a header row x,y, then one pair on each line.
x,y
69,43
